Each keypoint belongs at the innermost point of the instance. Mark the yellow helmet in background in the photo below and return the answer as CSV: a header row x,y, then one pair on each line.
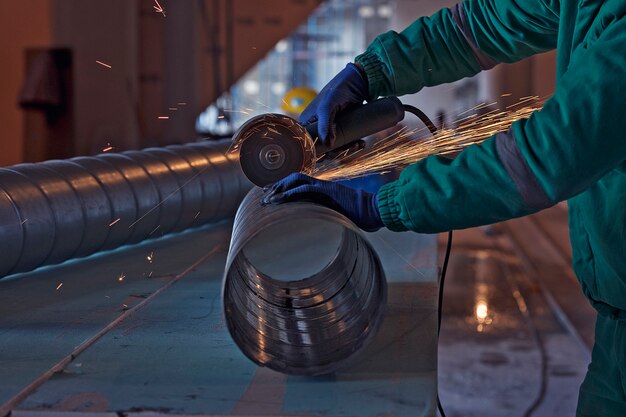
x,y
296,99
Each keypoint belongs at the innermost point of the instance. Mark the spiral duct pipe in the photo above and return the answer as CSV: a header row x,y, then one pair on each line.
x,y
62,209
303,290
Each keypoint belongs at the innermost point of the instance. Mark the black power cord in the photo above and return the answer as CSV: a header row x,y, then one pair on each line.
x,y
444,268
442,281
422,116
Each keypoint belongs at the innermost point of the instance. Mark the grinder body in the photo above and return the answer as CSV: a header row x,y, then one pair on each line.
x,y
273,146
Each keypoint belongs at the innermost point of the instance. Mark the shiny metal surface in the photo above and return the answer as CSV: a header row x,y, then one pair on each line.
x,y
317,320
168,199
66,208
56,210
120,196
187,185
96,206
35,221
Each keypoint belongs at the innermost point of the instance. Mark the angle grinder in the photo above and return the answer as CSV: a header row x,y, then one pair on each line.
x,y
272,146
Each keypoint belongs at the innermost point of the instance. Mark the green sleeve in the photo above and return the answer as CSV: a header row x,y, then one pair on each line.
x,y
511,30
576,139
458,42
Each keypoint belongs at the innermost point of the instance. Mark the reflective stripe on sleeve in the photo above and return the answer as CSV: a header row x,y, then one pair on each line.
x,y
460,19
515,165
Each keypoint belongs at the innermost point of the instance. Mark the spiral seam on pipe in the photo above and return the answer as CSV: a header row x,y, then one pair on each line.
x,y
56,210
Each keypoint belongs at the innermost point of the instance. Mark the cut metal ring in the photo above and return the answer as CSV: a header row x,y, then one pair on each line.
x,y
304,292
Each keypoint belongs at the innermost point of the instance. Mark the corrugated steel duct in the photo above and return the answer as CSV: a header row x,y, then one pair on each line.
x,y
303,290
57,210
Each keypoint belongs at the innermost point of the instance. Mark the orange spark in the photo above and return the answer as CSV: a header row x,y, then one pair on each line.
x,y
115,221
263,104
103,64
121,277
59,286
406,147
157,8
163,117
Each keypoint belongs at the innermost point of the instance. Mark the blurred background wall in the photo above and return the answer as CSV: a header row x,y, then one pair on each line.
x,y
23,24
80,76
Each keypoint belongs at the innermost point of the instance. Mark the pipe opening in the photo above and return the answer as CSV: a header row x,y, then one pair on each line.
x,y
272,251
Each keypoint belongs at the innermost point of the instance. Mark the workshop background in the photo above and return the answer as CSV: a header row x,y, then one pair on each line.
x,y
86,77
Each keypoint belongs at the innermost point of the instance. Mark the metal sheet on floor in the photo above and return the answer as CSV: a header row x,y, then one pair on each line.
x,y
175,356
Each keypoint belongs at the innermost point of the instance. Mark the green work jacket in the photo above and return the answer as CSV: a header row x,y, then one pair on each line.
x,y
573,149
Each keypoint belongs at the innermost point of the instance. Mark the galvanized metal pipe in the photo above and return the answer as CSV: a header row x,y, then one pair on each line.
x,y
57,210
309,324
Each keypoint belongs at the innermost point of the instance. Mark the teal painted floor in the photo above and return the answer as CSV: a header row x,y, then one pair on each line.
x,y
139,331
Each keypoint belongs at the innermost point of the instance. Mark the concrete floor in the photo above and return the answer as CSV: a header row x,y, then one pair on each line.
x,y
511,344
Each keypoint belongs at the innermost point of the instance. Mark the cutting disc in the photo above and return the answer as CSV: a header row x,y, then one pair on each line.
x,y
273,146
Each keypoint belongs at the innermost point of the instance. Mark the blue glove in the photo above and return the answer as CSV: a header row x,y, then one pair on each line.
x,y
346,89
358,205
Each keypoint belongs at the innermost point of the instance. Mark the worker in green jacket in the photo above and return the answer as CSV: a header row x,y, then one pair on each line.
x,y
573,149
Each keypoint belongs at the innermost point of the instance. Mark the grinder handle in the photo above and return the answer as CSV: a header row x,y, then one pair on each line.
x,y
363,121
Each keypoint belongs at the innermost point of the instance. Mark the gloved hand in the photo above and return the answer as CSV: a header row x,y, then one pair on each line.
x,y
346,89
359,206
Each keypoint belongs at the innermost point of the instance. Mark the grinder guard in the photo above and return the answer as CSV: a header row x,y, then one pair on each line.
x,y
273,146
